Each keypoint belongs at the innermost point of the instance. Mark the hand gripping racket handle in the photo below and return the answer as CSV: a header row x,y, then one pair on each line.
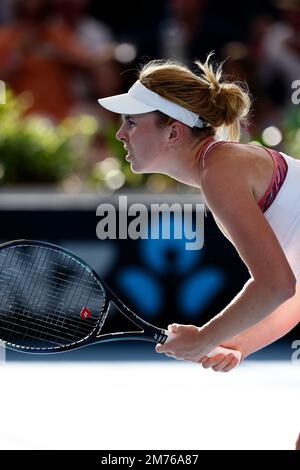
x,y
218,350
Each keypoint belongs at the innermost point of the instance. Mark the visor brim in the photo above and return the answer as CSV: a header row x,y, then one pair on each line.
x,y
125,104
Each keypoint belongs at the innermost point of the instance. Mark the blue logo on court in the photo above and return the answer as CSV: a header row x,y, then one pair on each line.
x,y
170,277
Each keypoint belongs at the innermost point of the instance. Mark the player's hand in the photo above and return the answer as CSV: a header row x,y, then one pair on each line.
x,y
187,344
222,362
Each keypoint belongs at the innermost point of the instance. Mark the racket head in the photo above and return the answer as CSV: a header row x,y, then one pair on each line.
x,y
50,300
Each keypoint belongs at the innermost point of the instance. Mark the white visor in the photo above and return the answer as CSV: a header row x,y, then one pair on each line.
x,y
140,99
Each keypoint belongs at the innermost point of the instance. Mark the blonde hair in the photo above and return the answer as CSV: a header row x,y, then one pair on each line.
x,y
223,105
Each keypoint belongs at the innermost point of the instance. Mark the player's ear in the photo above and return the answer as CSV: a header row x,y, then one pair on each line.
x,y
175,132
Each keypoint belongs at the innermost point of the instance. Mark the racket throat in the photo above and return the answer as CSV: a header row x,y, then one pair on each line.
x,y
120,321
153,337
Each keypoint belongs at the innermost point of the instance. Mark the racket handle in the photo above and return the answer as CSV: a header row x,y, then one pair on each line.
x,y
217,350
170,335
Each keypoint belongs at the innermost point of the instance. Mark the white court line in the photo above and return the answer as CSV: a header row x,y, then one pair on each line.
x,y
147,405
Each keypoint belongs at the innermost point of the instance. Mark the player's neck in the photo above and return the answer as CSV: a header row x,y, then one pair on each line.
x,y
185,166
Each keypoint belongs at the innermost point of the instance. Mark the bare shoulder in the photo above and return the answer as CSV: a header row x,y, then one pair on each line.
x,y
227,190
226,163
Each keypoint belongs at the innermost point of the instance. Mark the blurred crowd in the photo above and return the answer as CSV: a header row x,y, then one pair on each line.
x,y
65,54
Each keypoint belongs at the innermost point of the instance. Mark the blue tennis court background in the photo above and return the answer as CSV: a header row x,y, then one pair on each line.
x,y
158,278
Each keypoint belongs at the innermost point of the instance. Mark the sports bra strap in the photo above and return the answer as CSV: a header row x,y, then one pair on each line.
x,y
278,176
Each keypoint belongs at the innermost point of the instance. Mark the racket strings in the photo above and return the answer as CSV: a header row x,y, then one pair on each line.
x,y
54,277
43,291
37,323
26,335
39,302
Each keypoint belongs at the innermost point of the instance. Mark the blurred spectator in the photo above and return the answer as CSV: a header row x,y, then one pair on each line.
x,y
241,63
281,50
190,31
39,55
5,11
91,32
98,38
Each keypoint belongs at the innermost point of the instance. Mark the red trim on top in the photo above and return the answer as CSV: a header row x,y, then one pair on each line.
x,y
263,200
275,157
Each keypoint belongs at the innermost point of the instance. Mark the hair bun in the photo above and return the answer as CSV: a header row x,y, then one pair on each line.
x,y
223,105
215,89
230,103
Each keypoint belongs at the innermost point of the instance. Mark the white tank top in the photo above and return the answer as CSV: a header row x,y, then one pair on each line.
x,y
284,214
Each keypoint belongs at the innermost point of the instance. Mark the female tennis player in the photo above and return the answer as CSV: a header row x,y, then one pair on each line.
x,y
172,123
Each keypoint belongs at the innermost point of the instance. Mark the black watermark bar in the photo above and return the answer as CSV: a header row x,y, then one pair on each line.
x,y
94,459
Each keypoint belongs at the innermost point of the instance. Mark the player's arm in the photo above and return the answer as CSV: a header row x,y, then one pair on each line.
x,y
271,328
229,196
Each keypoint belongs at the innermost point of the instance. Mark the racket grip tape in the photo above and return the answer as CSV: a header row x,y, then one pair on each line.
x,y
214,352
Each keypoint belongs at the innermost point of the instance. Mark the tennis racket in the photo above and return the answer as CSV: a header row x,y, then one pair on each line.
x,y
51,301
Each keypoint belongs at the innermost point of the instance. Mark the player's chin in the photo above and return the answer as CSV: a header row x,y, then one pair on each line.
x,y
137,168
